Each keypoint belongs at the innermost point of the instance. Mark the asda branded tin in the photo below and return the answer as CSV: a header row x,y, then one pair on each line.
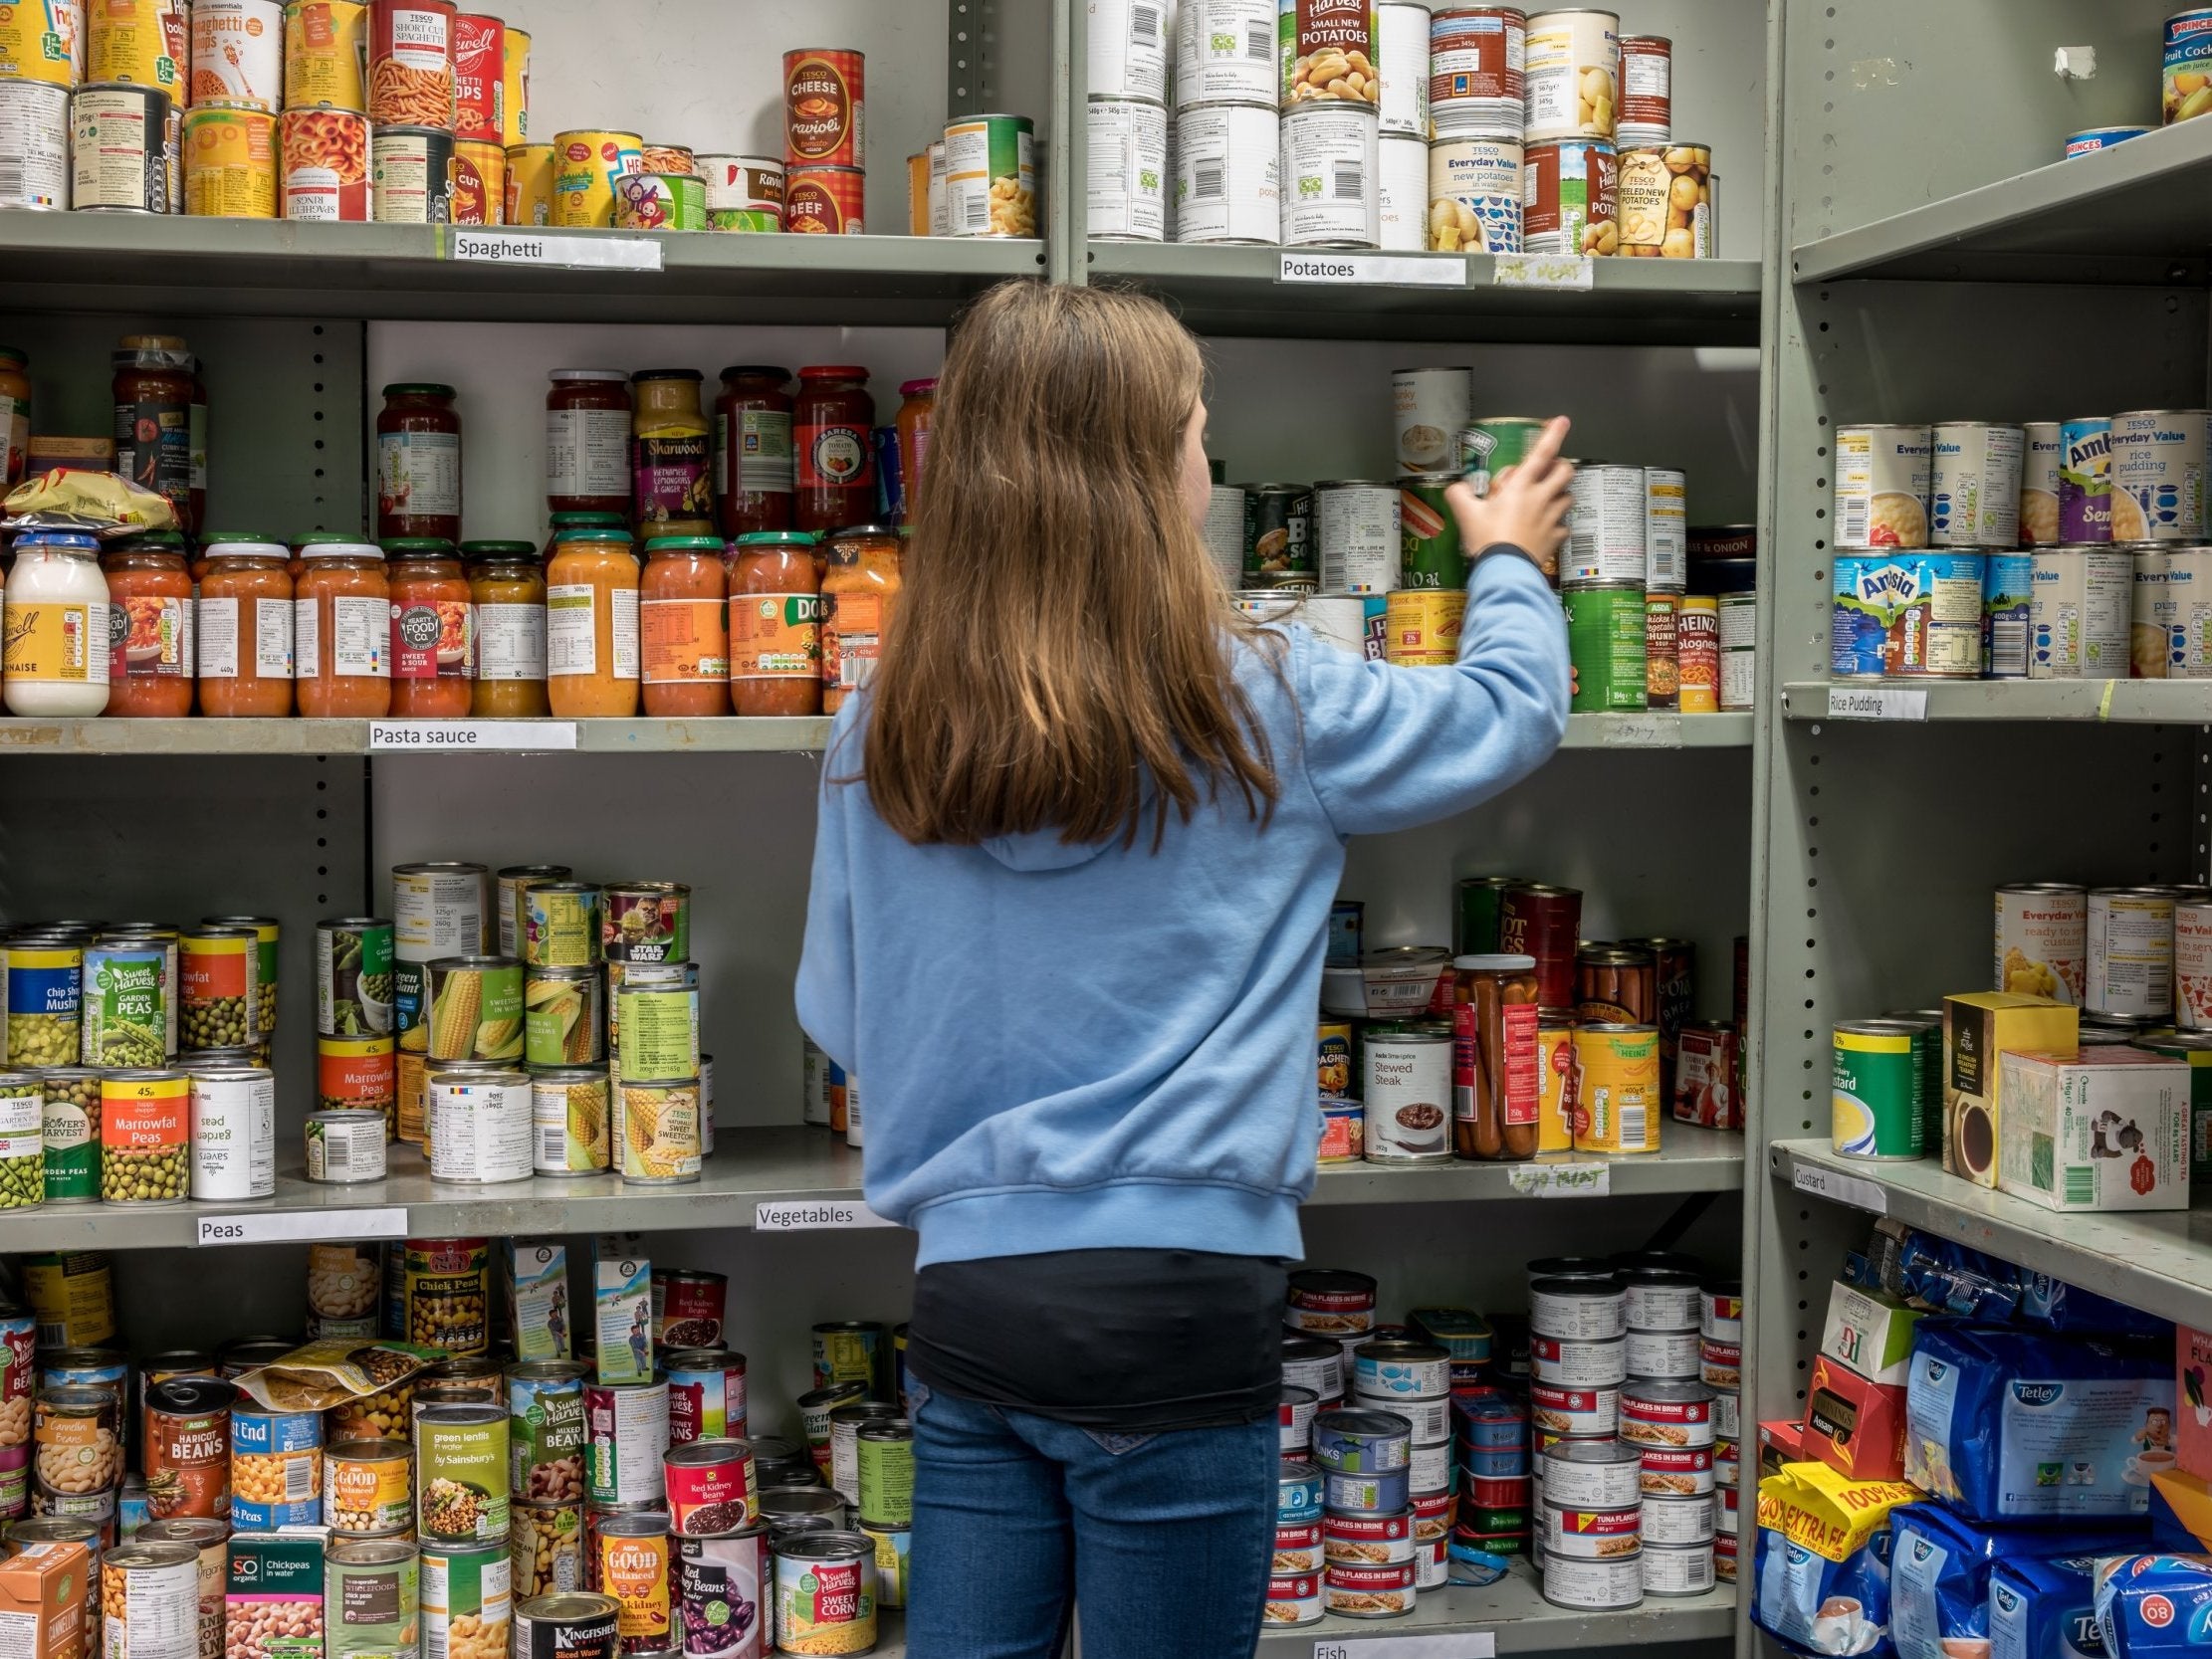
x,y
1128,170
1356,526
1329,164
1474,195
2158,475
1606,1584
2080,610
1228,174
1477,71
1605,641
1974,483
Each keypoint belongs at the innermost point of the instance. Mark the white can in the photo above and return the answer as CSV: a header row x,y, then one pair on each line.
x,y
1478,73
1293,1421
940,207
2192,964
1293,1598
234,1132
1474,195
2157,475
1739,654
745,183
1429,407
1665,1355
1575,1411
1402,61
1402,192
438,909
1129,47
1225,53
1128,170
2150,613
1361,1540
1728,1512
345,1148
1582,1365
1432,1563
34,145
1431,1418
1579,1309
2189,603
238,45
1338,619
1687,1518
1228,174
1678,1569
1592,1474
1329,158
1666,529
2131,937
480,1128
2081,609
1574,76
2042,939
1676,1471
2039,484
1647,112
1604,1585
1974,484
1604,533
115,161
1727,1413
1405,1081
1356,524
1225,531
1882,486
1428,1469
1589,1534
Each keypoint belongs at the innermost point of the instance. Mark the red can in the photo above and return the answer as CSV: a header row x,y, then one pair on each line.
x,y
479,91
325,165
706,1395
687,1308
825,201
410,63
711,1487
1707,1059
1544,923
822,100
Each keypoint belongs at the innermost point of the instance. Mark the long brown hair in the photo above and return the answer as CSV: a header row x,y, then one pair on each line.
x,y
1063,644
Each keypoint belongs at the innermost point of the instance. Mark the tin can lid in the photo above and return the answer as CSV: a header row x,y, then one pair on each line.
x,y
1495,964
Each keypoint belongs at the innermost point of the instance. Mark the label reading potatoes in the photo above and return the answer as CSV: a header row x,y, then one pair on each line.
x,y
600,253
1468,1644
1369,270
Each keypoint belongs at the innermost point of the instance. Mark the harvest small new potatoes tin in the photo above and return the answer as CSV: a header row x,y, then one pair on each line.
x,y
1605,1585
1228,174
1581,1309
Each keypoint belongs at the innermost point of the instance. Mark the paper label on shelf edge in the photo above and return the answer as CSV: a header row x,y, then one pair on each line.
x,y
1465,1644
1839,1189
1561,1180
595,253
1542,270
473,737
301,1226
1640,730
810,1215
1367,270
1877,703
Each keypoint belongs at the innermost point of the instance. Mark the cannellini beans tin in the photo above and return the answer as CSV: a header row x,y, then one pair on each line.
x,y
1228,174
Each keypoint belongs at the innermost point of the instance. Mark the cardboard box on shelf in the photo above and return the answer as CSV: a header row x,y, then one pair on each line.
x,y
45,1590
2106,1130
1978,1026
1871,1331
2192,1400
1855,1426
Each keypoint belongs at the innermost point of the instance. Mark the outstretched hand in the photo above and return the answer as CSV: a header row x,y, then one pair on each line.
x,y
1527,505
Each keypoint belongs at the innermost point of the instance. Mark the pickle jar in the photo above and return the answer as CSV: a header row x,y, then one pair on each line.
x,y
1495,1059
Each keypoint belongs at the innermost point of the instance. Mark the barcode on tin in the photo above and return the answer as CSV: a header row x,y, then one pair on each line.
x,y
53,1336
11,179
975,212
1351,181
299,1478
337,1156
1207,184
2081,1184
1854,522
1260,43
2008,644
1632,1128
1144,23
552,1148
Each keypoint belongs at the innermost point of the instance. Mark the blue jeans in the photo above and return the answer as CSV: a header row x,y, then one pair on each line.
x,y
1164,1541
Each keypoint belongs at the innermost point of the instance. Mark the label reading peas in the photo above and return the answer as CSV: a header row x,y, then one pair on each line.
x,y
144,1125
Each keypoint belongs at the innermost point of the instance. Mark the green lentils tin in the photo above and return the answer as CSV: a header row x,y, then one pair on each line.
x,y
122,1014
22,1141
69,1130
1429,549
1605,640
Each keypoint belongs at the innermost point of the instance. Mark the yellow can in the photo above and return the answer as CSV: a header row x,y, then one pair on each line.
x,y
414,1099
43,40
1616,1108
514,82
1423,626
585,166
146,43
1558,1081
918,194
325,49
479,183
530,184
230,162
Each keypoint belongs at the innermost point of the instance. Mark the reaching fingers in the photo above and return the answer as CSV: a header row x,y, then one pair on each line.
x,y
1542,452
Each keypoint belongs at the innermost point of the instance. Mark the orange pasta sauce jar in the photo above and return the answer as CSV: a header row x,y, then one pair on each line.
x,y
684,627
508,590
342,625
245,629
776,624
592,659
433,630
149,599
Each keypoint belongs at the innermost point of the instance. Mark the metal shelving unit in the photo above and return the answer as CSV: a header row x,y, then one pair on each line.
x,y
2160,702
1514,1611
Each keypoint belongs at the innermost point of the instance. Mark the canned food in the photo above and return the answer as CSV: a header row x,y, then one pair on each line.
x,y
369,1486
481,1127
155,1586
990,176
479,183
2086,480
444,1293
119,148
144,41
1406,1083
1606,1584
567,1624
479,71
1478,61
1580,1309
323,165
1588,1533
2081,613
1646,111
325,45
1129,169
1671,1471
144,1133
1355,528
1573,75
468,1601
411,64
345,1148
1569,198
1881,486
1328,162
711,1486
461,1476
126,1006
2039,485
1368,1591
476,1008
1575,1411
22,1146
1881,1109
1228,174
825,1593
659,201
1579,1362
1605,641
233,1133
2130,934
230,162
1592,1474
2157,475
1680,1569
1367,1540
824,95
1618,1101
1974,483
1361,1442
276,1468
633,1563
627,1426
411,175
1665,528
35,116
657,1132
1428,1420
725,1587
1298,1548
45,44
1664,198
1663,1355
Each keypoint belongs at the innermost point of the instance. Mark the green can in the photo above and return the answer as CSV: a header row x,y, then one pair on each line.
x,y
1878,1110
460,1475
561,924
1605,640
123,1015
353,977
1928,1047
1429,536
2196,1048
1495,443
886,1452
22,1126
476,1008
657,1023
660,202
70,1127
1476,917
743,219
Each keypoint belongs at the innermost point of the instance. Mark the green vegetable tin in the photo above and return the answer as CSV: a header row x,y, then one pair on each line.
x,y
1606,642
124,1006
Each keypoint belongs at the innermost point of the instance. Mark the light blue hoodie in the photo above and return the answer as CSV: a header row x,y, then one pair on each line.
x,y
1070,1048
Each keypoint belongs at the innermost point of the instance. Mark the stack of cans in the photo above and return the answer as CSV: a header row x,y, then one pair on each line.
x,y
1720,1369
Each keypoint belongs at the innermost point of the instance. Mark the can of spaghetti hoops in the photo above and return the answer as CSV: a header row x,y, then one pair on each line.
x,y
238,53
479,86
230,162
323,165
585,166
411,64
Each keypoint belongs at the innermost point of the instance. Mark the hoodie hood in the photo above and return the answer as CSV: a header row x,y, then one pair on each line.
x,y
1043,850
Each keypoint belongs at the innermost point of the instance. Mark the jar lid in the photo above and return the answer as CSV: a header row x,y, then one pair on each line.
x,y
243,546
342,549
499,549
418,388
588,374
586,520
597,535
681,543
168,541
60,541
158,351
645,374
834,371
418,546
844,530
735,369
907,388
323,538
777,539
1495,964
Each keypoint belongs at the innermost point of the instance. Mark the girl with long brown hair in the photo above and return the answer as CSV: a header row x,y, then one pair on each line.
x,y
1077,845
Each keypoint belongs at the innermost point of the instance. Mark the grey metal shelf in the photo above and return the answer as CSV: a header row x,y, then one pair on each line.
x,y
2161,701
2131,213
1641,302
752,1166
279,268
2160,1261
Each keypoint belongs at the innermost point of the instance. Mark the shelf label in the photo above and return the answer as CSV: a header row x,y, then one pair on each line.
x,y
1467,1644
1561,1180
595,253
1542,270
301,1226
1877,703
812,1215
1839,1189
475,736
1641,731
1371,270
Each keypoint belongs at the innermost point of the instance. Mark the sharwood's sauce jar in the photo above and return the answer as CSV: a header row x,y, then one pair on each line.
x,y
753,448
776,625
418,463
245,627
591,625
341,632
508,588
1494,1057
149,627
917,409
684,627
155,392
831,425
433,631
858,590
671,475
588,441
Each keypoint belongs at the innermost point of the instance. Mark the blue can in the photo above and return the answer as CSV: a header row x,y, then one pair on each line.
x,y
1361,1442
1494,1463
1908,614
2092,139
2005,587
1347,926
1298,1495
890,502
275,1469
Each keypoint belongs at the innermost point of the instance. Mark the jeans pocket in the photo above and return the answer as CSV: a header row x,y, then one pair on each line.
x,y
1115,1445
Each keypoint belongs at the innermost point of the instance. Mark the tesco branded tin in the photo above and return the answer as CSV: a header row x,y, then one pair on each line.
x,y
2130,952
2150,612
1474,196
1298,1493
1328,179
2039,484
1401,35
1606,529
1974,484
1225,53
1881,488
2041,943
1478,73
1356,524
1574,1411
1361,1441
1569,197
2157,475
2187,603
2085,479
1128,170
1229,172
1577,1362
2081,612
1581,1309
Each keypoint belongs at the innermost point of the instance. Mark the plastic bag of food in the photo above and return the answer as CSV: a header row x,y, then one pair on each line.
x,y
1823,1567
102,496
2149,1607
333,1371
1940,1567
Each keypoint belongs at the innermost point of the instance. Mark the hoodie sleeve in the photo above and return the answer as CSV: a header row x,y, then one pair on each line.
x,y
1387,749
826,984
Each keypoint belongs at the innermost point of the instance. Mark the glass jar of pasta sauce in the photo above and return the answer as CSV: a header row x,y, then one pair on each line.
x,y
831,432
433,630
245,630
342,622
671,472
776,624
591,664
150,626
588,441
917,409
859,589
418,463
158,403
684,627
507,585
753,448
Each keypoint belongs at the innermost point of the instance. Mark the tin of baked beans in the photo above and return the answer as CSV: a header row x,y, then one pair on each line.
x,y
1127,168
369,1486
2081,612
34,143
1663,1355
1592,1474
230,162
530,185
1368,1591
276,1468
411,174
144,42
479,183
1278,534
411,63
1882,479
825,201
2158,475
1573,75
1580,1309
567,1624
238,53
323,165
1565,1409
1677,1470
1228,174
1477,62
1474,196
1332,1302
325,46
1367,1540
233,1132
585,166
823,101
1569,197
1328,177
1645,113
118,150
1355,528
479,85
627,1423
1225,53
45,43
